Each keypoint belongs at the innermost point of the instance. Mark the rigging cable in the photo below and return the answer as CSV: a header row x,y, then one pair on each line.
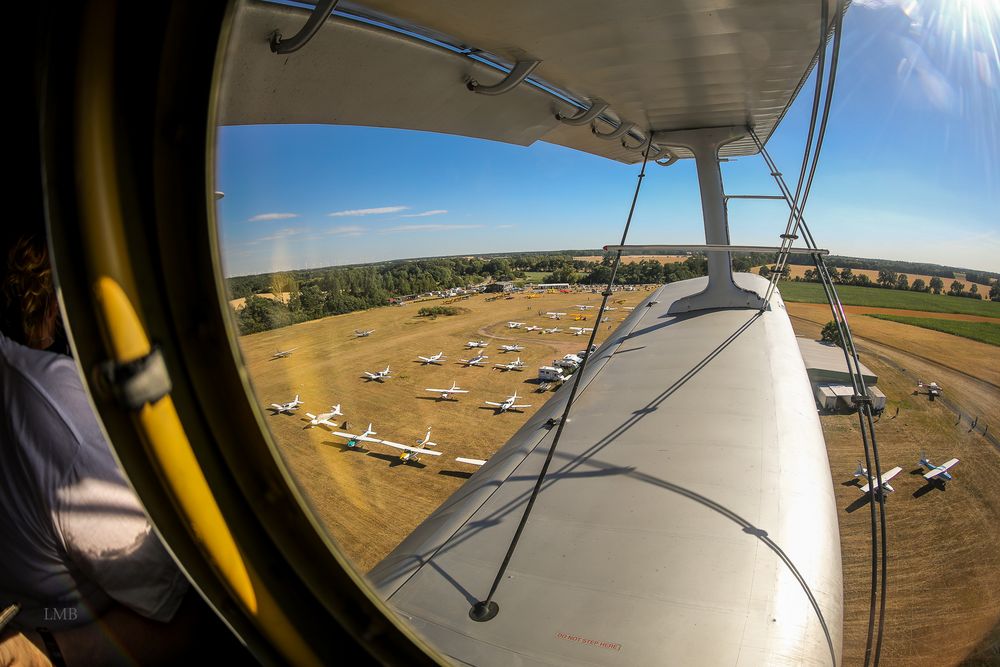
x,y
486,609
787,237
864,414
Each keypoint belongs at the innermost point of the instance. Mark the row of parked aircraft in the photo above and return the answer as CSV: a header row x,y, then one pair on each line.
x,y
410,453
879,487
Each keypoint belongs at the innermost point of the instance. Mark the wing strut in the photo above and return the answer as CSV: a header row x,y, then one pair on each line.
x,y
319,14
486,609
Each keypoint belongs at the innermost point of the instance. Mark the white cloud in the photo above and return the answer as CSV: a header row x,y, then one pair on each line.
x,y
437,211
367,211
429,228
272,216
504,226
346,230
279,235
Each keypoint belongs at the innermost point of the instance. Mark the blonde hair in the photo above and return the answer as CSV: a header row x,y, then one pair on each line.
x,y
27,290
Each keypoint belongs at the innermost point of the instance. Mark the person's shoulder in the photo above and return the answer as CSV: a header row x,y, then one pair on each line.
x,y
49,372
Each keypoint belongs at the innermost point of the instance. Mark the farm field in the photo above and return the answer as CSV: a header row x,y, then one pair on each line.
x,y
984,332
633,259
369,501
798,270
888,298
935,535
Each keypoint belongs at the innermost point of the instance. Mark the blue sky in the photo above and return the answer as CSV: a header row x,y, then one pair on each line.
x,y
910,170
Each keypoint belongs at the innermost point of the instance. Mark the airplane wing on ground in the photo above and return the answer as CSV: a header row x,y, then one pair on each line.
x,y
940,469
475,462
493,404
408,448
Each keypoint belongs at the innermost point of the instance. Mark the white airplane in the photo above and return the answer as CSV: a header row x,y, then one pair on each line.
x,y
379,375
532,328
473,462
552,330
881,486
937,473
579,331
355,440
325,417
413,454
286,408
475,361
281,354
511,348
610,308
508,404
582,307
628,307
446,393
433,359
515,325
361,333
555,316
932,389
476,343
516,365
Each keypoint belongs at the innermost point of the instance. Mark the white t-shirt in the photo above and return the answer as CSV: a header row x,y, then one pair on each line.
x,y
73,536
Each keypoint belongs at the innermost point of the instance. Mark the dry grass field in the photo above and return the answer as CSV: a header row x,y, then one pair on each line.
x,y
369,501
943,604
798,270
632,259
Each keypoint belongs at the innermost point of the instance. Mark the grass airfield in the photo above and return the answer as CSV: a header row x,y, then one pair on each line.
x,y
368,501
943,601
943,606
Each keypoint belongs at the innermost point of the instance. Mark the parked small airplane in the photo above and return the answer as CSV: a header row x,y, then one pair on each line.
x,y
532,328
355,440
933,390
534,296
476,343
286,408
325,417
508,404
881,486
937,473
628,307
555,316
516,365
579,331
552,330
412,455
511,348
379,375
281,354
582,307
515,325
361,333
610,308
446,393
433,359
475,361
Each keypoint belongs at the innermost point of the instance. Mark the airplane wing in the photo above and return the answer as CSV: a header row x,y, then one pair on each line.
x,y
349,436
277,407
886,476
492,403
475,462
521,406
940,469
417,450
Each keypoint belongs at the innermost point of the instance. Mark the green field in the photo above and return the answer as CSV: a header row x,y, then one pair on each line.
x,y
985,332
888,298
535,277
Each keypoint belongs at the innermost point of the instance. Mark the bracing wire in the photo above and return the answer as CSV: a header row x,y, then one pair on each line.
x,y
794,213
866,423
486,609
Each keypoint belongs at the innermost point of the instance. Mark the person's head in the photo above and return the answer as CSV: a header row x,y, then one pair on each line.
x,y
30,310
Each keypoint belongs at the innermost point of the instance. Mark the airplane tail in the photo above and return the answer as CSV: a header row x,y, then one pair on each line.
x,y
860,471
297,398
